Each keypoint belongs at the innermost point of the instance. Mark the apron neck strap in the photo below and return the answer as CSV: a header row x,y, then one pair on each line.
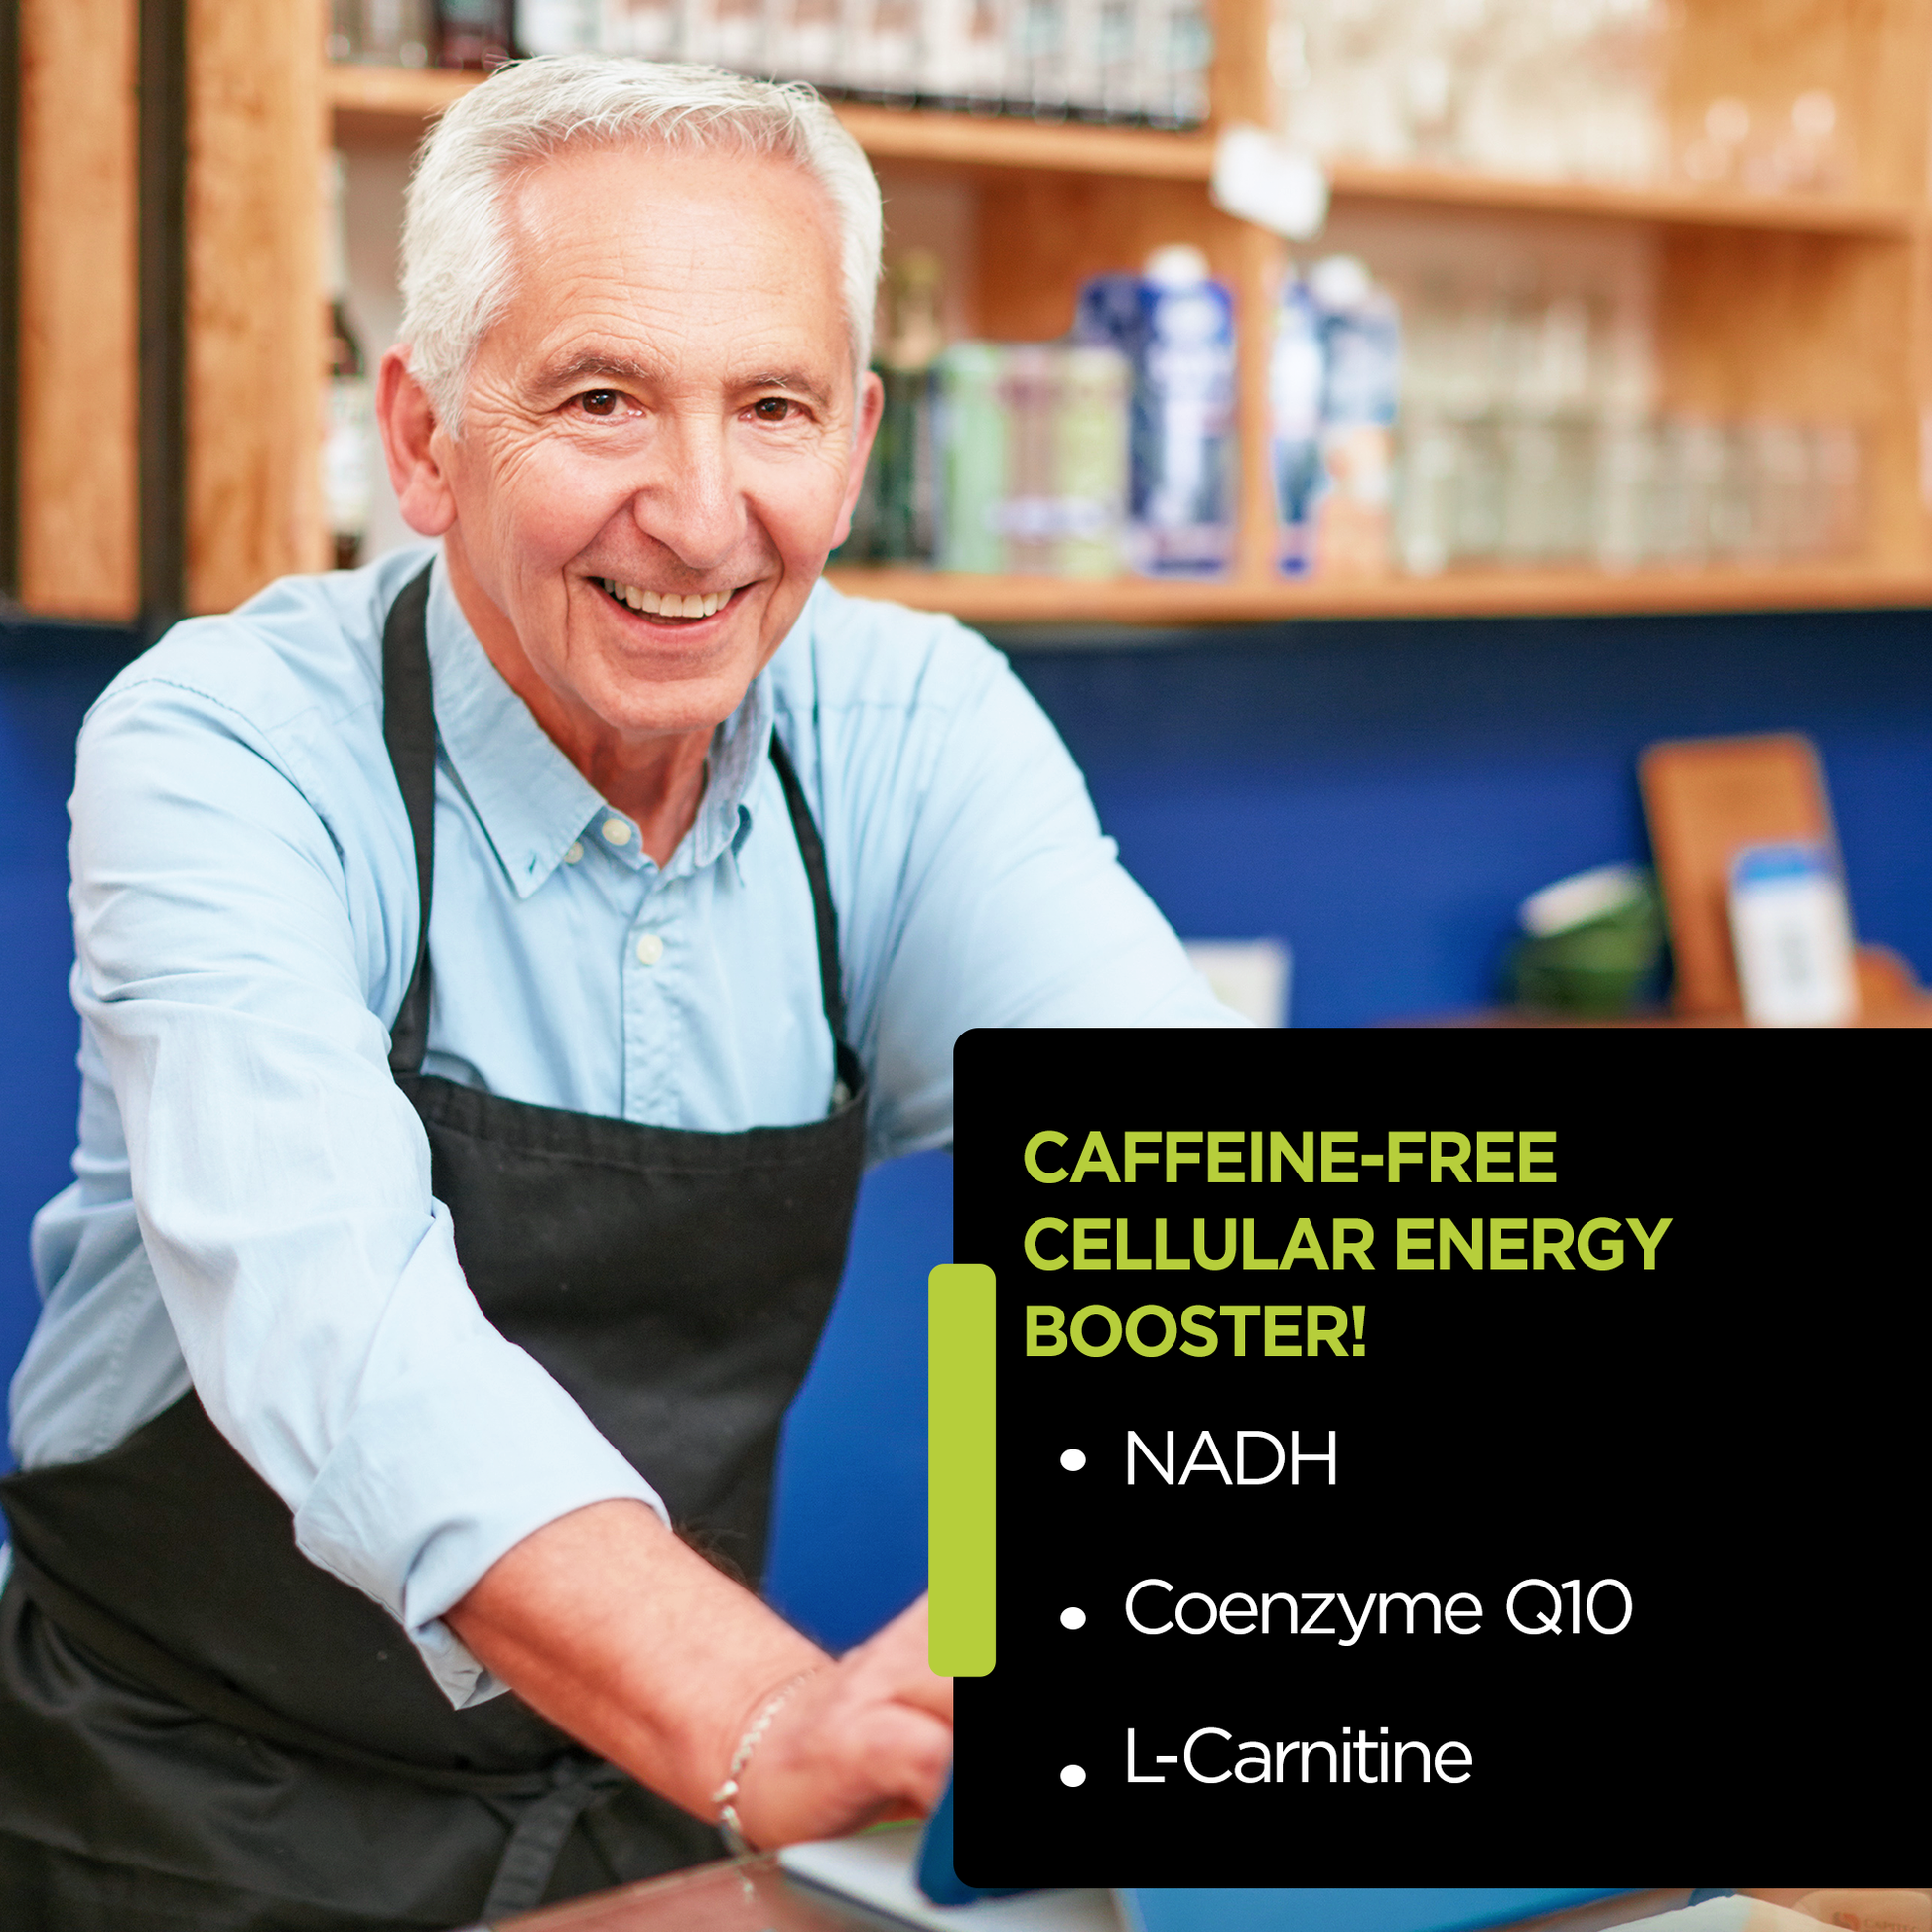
x,y
409,732
811,848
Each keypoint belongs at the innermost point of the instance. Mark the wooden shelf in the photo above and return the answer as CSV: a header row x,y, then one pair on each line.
x,y
377,106
1664,206
1456,594
1812,307
404,94
1054,147
372,100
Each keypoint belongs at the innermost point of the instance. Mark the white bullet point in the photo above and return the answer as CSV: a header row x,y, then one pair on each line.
x,y
1073,1776
1073,1459
1073,1618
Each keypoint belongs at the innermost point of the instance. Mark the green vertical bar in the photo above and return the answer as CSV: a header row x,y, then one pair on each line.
x,y
960,1461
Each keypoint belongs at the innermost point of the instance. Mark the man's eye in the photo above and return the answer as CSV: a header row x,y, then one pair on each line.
x,y
600,402
773,409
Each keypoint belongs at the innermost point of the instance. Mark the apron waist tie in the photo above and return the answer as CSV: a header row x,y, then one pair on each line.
x,y
558,1793
523,1872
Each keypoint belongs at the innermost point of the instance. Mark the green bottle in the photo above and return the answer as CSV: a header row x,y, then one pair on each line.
x,y
973,475
903,455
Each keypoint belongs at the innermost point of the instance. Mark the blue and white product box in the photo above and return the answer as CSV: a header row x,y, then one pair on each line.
x,y
1175,326
1296,373
1361,343
1793,936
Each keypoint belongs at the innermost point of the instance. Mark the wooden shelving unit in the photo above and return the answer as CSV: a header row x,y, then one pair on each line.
x,y
385,103
1812,304
393,103
1456,594
1664,206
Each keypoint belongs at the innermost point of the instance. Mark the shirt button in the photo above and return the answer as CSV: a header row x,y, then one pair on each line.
x,y
650,949
616,831
573,851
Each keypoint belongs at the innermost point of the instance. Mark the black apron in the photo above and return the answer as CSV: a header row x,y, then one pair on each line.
x,y
201,1728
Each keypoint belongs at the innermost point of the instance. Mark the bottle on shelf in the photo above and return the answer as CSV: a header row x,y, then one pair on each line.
x,y
1361,356
1179,52
1174,325
1064,432
1127,60
474,35
973,457
880,51
345,41
991,458
384,33
647,29
1530,435
1120,65
1510,86
903,453
1295,385
559,26
348,417
1090,461
724,34
1769,147
962,52
1027,394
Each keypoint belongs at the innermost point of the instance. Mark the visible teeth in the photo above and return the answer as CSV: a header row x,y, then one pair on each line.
x,y
668,604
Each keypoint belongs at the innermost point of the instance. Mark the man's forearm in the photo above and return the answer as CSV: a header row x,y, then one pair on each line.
x,y
621,1635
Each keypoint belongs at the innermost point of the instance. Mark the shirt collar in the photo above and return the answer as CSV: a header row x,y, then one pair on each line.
x,y
533,803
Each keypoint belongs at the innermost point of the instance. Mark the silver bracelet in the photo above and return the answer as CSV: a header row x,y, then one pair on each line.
x,y
726,1796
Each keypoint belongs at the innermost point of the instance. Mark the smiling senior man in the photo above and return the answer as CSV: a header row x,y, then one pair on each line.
x,y
396,1442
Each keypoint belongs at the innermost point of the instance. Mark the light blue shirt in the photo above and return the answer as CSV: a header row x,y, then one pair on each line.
x,y
252,1209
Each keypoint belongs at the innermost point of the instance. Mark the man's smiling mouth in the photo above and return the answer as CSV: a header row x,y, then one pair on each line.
x,y
668,604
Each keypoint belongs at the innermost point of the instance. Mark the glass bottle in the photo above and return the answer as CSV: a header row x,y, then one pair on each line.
x,y
344,30
903,453
973,441
398,32
472,34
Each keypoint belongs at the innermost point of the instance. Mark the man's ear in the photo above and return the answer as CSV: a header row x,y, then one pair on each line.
x,y
407,419
868,406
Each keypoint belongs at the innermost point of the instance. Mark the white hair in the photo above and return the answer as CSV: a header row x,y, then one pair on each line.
x,y
457,263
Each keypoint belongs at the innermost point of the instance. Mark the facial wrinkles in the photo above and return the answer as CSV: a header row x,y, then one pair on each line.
x,y
692,432
652,286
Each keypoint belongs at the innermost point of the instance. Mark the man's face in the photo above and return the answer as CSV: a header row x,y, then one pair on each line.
x,y
663,417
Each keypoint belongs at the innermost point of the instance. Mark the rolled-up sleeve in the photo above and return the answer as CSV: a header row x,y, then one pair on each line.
x,y
232,948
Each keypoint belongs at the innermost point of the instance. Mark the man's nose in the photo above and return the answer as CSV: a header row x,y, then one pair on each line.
x,y
689,500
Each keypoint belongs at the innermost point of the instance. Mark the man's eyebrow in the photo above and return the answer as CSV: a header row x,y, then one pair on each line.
x,y
612,369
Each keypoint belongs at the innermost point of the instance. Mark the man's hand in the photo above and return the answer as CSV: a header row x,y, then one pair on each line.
x,y
868,1739
621,1635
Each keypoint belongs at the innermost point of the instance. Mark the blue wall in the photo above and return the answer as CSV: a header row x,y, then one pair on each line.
x,y
1382,796
1379,795
48,675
